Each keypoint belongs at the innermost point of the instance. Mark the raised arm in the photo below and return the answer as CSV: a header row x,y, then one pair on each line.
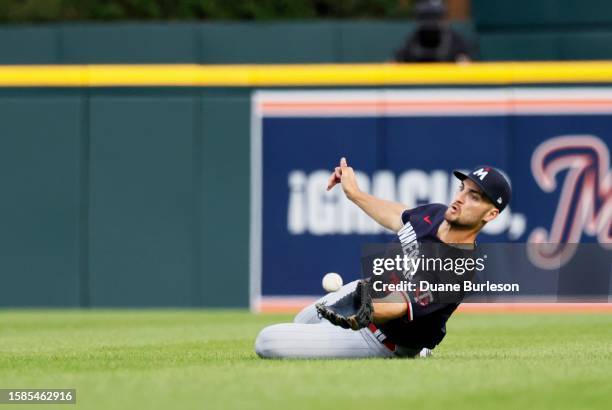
x,y
386,213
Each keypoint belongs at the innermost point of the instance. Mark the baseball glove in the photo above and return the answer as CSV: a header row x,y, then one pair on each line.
x,y
354,311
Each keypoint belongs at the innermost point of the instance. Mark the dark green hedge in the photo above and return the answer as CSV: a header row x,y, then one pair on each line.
x,y
105,10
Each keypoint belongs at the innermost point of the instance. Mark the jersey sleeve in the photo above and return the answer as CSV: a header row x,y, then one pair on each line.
x,y
433,290
419,310
424,332
433,210
405,216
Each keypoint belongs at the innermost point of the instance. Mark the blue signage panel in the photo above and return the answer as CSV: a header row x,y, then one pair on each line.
x,y
553,144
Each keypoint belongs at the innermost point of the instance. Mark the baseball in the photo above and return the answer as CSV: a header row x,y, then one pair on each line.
x,y
332,282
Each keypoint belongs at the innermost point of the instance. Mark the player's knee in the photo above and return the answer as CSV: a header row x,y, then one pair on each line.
x,y
266,341
307,315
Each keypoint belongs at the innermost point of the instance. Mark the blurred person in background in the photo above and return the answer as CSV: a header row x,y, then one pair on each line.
x,y
433,40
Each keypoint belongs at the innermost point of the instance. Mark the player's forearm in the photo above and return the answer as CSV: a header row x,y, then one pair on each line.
x,y
386,213
385,311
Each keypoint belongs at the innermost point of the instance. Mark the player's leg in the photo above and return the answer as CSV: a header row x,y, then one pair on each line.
x,y
309,313
317,341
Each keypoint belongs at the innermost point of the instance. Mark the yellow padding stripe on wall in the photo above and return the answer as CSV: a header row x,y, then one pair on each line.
x,y
185,75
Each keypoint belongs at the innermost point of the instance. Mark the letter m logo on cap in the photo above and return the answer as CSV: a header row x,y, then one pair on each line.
x,y
481,173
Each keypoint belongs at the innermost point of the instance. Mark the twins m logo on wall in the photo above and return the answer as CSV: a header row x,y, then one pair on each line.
x,y
553,144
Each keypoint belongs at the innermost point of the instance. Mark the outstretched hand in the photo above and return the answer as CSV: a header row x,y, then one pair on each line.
x,y
386,213
336,176
344,175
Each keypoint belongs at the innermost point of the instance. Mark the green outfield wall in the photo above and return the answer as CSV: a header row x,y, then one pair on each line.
x,y
524,30
120,188
500,31
124,197
207,43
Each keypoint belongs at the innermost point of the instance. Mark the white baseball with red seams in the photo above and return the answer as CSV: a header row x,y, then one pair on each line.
x,y
332,282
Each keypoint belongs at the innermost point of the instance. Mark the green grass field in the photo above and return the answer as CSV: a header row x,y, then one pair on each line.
x,y
154,359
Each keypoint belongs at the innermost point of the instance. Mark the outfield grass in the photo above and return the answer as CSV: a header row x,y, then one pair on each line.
x,y
204,359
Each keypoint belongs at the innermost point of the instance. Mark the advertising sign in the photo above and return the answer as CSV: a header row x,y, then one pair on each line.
x,y
552,143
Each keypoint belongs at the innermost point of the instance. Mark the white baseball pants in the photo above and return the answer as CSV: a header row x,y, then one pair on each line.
x,y
310,337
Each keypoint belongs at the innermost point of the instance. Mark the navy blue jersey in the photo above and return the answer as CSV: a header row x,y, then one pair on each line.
x,y
424,325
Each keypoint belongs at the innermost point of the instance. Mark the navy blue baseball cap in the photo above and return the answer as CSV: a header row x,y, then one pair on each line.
x,y
492,183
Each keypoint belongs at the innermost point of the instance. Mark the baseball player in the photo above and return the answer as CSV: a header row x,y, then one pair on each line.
x,y
355,322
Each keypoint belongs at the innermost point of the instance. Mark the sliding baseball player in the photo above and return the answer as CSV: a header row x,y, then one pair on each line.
x,y
356,322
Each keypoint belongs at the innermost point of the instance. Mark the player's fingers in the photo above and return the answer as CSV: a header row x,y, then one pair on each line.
x,y
338,172
343,162
333,180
